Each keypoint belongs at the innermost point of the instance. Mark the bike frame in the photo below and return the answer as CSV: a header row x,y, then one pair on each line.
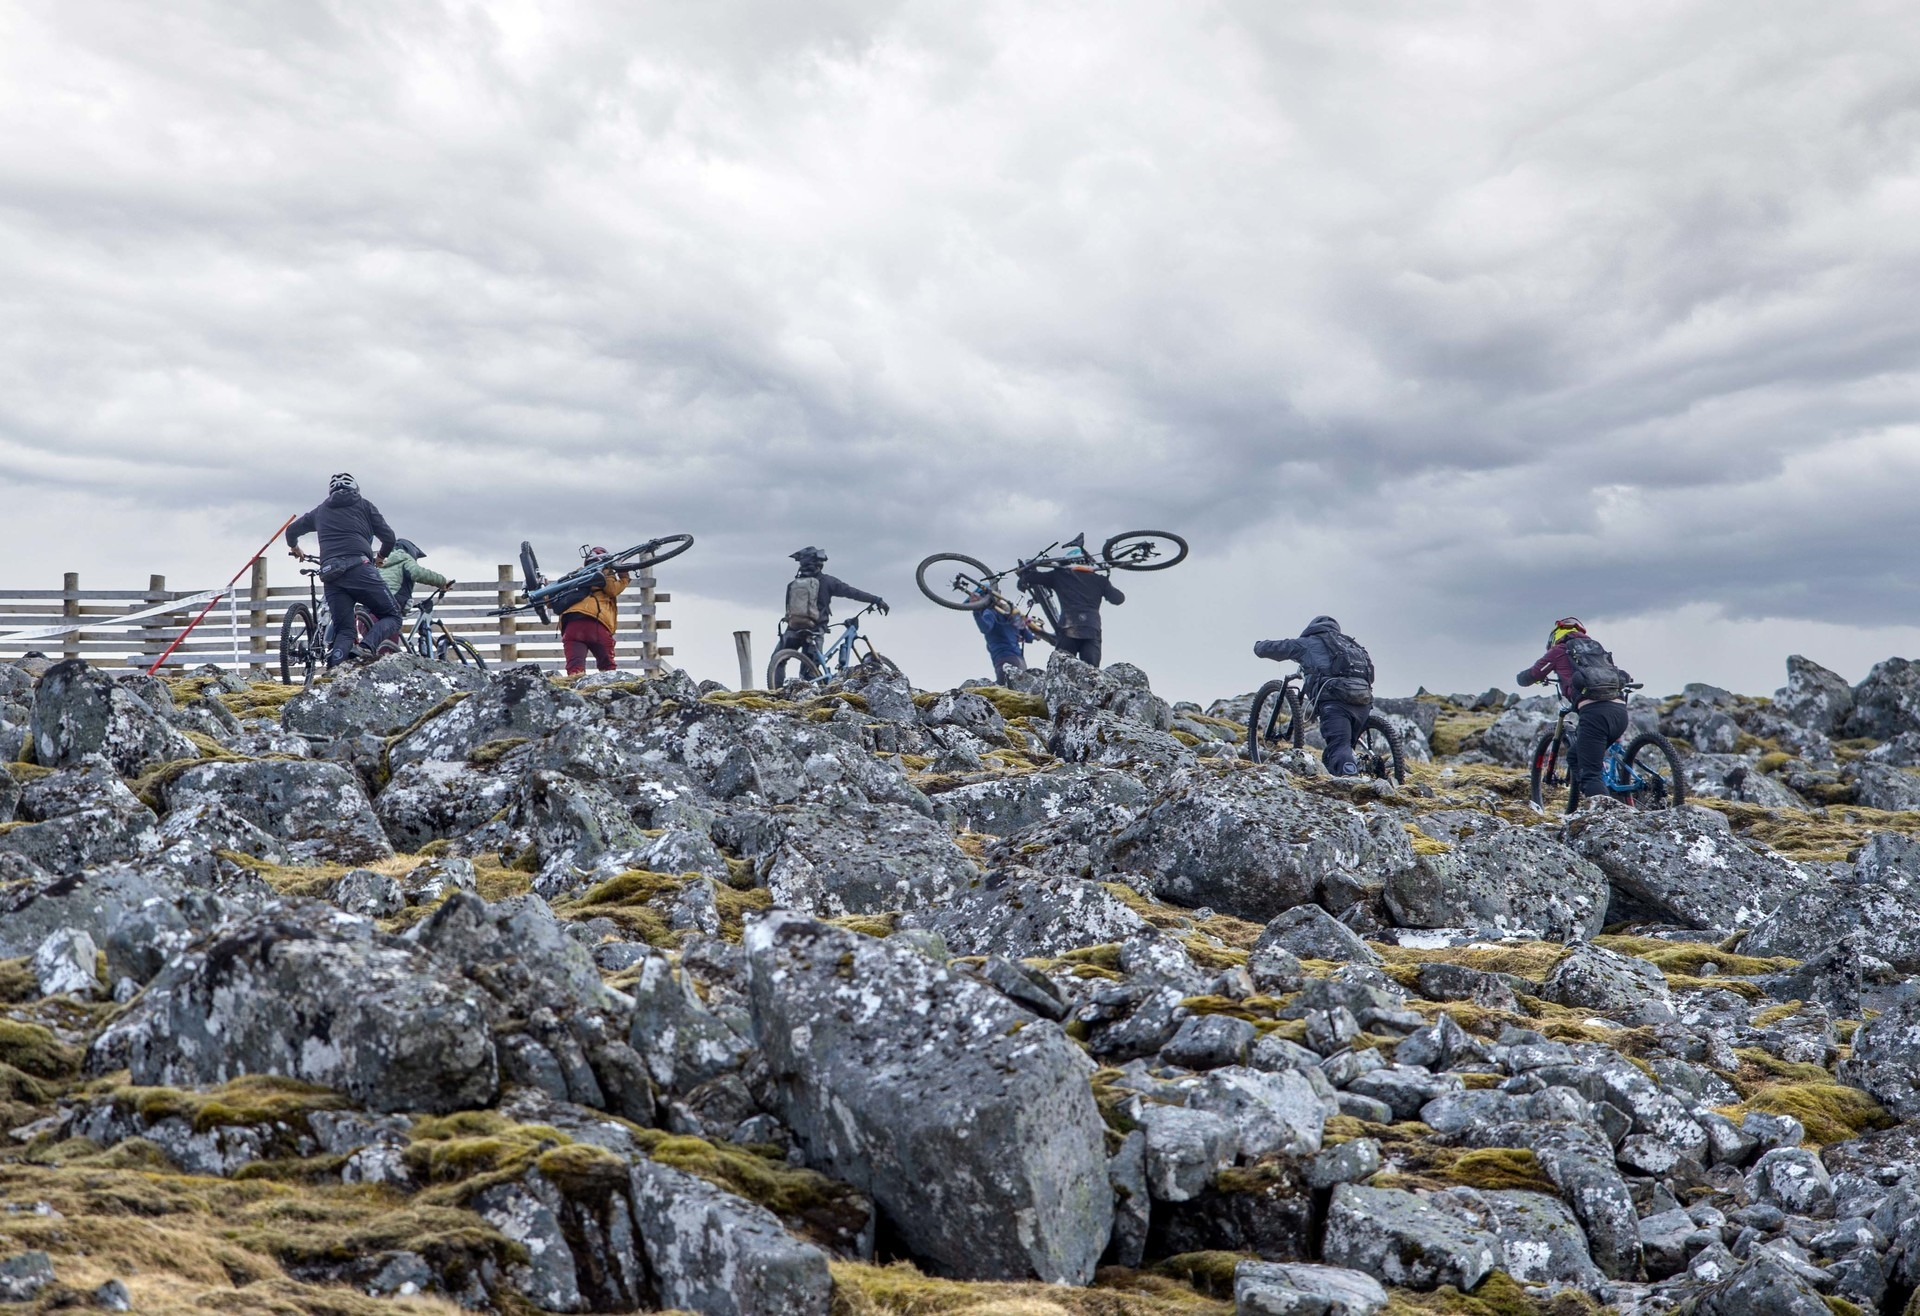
x,y
839,657
1636,782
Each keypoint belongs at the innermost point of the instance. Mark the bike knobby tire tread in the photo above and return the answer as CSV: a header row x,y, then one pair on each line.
x,y
1258,714
945,596
1546,764
1674,770
290,625
530,579
463,653
809,669
665,549
1375,722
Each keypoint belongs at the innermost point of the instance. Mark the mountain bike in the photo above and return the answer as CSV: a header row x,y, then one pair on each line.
x,y
306,630
1645,772
851,650
1278,718
966,584
445,646
538,593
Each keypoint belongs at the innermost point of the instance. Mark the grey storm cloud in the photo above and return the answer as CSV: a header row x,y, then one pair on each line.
x,y
1449,303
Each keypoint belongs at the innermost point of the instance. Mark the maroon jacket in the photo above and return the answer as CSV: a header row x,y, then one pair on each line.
x,y
1554,662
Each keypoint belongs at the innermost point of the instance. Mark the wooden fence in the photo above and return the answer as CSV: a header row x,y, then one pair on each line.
x,y
243,630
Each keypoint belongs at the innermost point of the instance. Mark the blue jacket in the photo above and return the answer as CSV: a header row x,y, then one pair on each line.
x,y
1005,635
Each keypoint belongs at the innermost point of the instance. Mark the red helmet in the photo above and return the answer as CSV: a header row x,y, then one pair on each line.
x,y
594,556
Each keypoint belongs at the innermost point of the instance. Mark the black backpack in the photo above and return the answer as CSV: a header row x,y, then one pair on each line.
x,y
1594,674
1350,677
573,591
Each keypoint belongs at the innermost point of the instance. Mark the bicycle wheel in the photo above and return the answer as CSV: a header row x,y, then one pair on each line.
x,y
532,580
884,663
807,666
299,644
660,550
1379,750
1274,720
1141,550
453,649
1653,760
968,577
1553,770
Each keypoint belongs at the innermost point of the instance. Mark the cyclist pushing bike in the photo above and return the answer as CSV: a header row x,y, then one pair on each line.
x,y
347,525
810,596
1596,688
1339,684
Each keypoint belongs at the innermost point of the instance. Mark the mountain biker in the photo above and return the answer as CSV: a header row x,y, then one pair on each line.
x,y
1081,588
810,596
1597,690
402,569
1007,633
587,627
1339,686
347,524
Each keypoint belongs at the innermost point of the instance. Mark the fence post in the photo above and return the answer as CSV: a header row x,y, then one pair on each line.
x,y
649,625
743,650
509,651
70,607
257,619
153,634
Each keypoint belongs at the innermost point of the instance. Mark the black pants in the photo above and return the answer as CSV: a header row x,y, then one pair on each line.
x,y
362,585
1006,661
1340,725
1600,726
1085,648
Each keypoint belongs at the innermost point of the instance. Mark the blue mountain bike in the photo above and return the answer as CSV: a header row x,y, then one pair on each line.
x,y
810,663
1644,773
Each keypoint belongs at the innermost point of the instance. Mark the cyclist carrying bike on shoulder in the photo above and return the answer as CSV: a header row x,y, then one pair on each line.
x,y
587,626
1339,685
810,596
1596,688
402,570
347,524
1081,588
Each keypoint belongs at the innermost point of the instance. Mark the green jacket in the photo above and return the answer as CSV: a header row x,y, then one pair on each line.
x,y
401,564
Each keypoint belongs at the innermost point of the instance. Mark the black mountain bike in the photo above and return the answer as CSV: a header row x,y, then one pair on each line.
x,y
537,592
444,646
966,584
1645,772
306,629
1278,720
811,663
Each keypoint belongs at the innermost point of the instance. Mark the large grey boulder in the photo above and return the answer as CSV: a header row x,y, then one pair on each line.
x,y
1814,697
1023,914
1517,881
1895,790
1092,736
1685,866
1589,977
1251,844
140,915
519,703
1406,1241
865,858
714,1253
436,799
319,810
79,818
1121,689
1886,1059
315,995
1308,932
79,710
1279,1288
573,825
1762,1287
1541,1241
1511,737
1003,805
1876,905
382,698
969,1122
1887,702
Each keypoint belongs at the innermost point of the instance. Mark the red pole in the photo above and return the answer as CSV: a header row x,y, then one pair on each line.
x,y
157,662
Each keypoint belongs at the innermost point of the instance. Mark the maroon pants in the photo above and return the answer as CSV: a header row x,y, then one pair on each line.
x,y
581,635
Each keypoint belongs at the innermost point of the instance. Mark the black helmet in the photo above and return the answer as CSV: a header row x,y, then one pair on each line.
x,y
410,548
809,554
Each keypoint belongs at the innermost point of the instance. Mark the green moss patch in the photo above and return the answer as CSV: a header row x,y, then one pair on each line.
x,y
901,1290
35,1050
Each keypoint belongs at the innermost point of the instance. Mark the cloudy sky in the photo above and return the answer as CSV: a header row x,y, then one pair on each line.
x,y
1444,319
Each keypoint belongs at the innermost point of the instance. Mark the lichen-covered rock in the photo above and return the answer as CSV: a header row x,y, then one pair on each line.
x,y
1308,932
1253,845
863,858
1685,866
64,964
319,810
1404,1240
1024,914
573,825
969,1122
138,915
1588,977
519,703
1762,1287
79,710
1002,806
1516,881
1894,790
1540,1240
382,698
1121,689
1887,703
1278,1288
1511,737
79,818
1875,907
713,1253
1886,1059
317,996
435,799
1814,697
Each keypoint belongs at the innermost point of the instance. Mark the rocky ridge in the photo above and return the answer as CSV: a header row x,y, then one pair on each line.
x,y
427,990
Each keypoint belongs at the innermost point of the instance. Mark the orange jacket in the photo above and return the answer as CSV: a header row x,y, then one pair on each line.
x,y
600,604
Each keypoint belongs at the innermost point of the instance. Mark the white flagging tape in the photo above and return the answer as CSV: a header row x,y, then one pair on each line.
x,y
110,623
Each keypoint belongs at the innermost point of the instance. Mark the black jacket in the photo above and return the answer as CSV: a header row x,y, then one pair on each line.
x,y
831,588
1310,651
346,524
1080,594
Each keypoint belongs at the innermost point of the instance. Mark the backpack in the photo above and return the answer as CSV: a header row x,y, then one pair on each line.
x,y
571,591
1594,674
1350,678
805,610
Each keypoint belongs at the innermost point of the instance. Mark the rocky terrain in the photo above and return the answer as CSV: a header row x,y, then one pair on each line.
x,y
425,991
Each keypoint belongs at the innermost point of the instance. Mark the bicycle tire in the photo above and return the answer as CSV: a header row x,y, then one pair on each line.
x,y
1675,777
454,649
1396,757
655,555
1268,703
1134,557
298,635
531,580
810,669
980,575
1549,752
885,664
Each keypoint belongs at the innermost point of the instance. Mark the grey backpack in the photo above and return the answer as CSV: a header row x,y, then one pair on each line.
x,y
804,603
